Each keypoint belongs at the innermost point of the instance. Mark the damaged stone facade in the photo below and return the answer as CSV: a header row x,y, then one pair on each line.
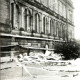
x,y
31,25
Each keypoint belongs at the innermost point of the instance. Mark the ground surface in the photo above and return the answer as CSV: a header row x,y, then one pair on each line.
x,y
12,71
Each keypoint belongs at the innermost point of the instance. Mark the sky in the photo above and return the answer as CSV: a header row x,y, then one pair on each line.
x,y
76,4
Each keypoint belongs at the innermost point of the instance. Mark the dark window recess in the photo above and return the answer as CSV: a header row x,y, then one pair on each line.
x,y
5,51
12,14
44,24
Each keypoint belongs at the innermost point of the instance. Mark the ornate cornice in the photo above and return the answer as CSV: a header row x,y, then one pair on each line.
x,y
44,8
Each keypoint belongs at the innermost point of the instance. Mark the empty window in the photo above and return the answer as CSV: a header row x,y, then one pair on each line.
x,y
44,24
28,20
37,22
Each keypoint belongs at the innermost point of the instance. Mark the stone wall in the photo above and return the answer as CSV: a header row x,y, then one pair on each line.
x,y
5,15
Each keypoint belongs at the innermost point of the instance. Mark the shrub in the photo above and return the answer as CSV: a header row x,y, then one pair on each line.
x,y
70,50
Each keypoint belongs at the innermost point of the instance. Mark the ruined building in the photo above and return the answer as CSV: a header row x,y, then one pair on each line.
x,y
34,26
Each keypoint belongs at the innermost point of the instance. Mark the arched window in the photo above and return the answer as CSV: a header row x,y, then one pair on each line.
x,y
63,32
37,22
66,32
61,29
47,26
27,20
44,24
57,29
51,27
54,30
59,33
17,17
12,15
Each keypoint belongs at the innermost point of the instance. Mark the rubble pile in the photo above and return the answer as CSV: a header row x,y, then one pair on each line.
x,y
42,59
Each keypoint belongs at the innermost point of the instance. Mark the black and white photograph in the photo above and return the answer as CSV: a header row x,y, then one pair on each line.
x,y
39,39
